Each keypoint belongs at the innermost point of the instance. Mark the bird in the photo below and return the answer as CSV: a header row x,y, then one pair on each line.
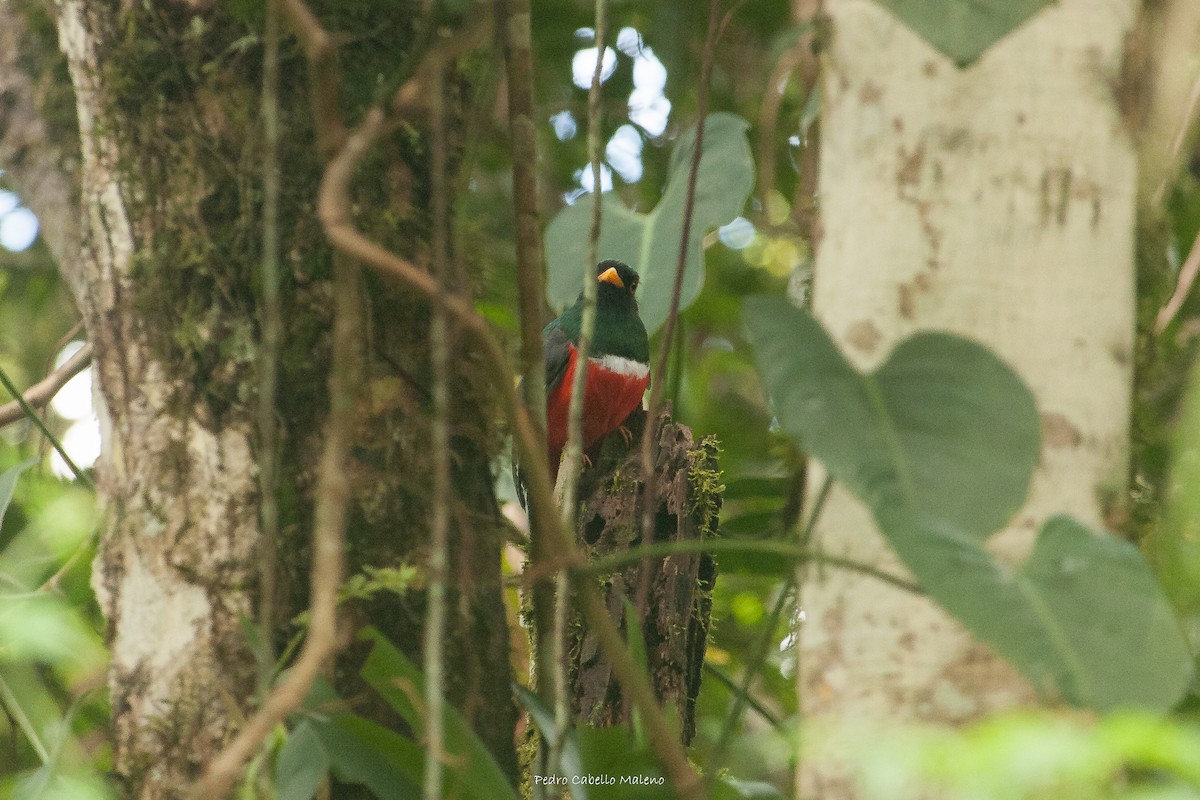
x,y
618,361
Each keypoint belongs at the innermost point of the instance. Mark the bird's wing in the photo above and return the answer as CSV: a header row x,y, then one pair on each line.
x,y
556,353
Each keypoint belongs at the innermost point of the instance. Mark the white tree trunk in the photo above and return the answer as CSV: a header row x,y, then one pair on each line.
x,y
179,484
996,202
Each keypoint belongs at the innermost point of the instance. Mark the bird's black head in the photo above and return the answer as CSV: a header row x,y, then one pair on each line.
x,y
617,280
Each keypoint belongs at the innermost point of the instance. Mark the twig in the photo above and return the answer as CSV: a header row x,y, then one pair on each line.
x,y
328,559
649,496
1183,285
13,708
751,703
435,621
332,209
42,392
573,454
325,74
785,551
272,333
762,646
32,414
517,37
328,565
768,117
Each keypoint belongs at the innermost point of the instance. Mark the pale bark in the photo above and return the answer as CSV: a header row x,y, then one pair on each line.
x,y
177,479
164,277
996,202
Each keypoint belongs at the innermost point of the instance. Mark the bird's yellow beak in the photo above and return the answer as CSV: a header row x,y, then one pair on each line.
x,y
610,276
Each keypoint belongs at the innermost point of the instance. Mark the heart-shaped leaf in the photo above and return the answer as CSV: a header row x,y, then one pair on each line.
x,y
650,242
940,443
963,29
944,427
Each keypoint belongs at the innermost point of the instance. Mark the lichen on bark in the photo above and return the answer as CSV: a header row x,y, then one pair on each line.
x,y
167,100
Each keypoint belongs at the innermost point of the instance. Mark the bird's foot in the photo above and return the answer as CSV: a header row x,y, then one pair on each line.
x,y
626,436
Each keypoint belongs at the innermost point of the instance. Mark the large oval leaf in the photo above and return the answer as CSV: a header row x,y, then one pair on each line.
x,y
650,242
963,29
1083,618
940,443
943,428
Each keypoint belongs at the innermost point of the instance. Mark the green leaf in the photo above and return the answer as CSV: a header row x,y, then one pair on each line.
x,y
365,753
1083,617
963,29
390,673
302,764
46,628
650,242
570,763
624,770
8,484
940,443
944,427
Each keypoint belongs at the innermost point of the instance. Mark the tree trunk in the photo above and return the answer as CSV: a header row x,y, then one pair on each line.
x,y
996,202
167,97
674,622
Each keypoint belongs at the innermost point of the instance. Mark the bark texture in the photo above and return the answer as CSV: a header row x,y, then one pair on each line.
x,y
169,242
177,473
674,623
996,202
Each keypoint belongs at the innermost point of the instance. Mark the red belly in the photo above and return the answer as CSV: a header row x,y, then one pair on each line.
x,y
608,398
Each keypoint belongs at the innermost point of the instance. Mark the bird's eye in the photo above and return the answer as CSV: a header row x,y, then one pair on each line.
x,y
633,284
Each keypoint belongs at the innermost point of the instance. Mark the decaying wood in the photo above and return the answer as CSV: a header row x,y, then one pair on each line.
x,y
675,624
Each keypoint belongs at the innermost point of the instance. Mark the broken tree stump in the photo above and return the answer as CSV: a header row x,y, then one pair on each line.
x,y
678,596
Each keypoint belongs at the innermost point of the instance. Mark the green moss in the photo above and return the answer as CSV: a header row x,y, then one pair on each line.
x,y
704,480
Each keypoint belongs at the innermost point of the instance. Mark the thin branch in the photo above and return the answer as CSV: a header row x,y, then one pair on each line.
x,y
751,703
332,209
42,392
1164,50
328,558
1183,286
786,551
272,333
328,561
758,654
439,545
517,35
649,498
573,454
531,270
762,646
32,414
768,117
325,75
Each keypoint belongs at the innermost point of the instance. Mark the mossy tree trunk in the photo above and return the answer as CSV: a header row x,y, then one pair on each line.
x,y
672,595
165,277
